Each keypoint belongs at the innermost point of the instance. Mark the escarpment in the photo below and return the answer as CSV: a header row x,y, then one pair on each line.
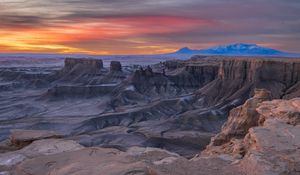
x,y
194,76
238,77
86,78
145,81
84,63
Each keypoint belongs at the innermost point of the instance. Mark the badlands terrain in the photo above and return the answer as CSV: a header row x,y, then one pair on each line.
x,y
205,115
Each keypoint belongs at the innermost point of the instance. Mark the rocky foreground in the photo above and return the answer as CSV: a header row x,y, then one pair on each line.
x,y
261,137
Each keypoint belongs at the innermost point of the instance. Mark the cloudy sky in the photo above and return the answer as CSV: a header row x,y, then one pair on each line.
x,y
145,26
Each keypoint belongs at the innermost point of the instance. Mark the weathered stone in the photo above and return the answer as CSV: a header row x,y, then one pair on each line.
x,y
21,138
271,146
38,148
287,110
49,147
240,120
11,159
90,161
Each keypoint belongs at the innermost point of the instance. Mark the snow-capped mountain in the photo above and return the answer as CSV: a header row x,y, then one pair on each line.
x,y
238,49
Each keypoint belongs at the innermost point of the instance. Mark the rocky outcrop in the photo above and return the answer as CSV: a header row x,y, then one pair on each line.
x,y
264,134
82,66
115,66
241,119
71,63
21,138
38,143
86,161
272,148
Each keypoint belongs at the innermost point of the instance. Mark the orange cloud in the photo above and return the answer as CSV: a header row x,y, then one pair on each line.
x,y
58,37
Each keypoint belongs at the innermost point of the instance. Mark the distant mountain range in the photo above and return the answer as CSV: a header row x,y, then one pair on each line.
x,y
238,49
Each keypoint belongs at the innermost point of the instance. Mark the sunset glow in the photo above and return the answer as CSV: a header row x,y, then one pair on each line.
x,y
142,27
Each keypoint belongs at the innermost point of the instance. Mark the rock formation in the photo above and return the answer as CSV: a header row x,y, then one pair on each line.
x,y
71,63
115,66
265,134
241,119
82,66
147,80
21,138
238,77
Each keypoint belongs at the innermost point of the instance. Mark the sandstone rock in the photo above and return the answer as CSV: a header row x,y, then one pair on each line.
x,y
38,148
271,145
240,120
136,161
9,160
21,138
49,147
90,161
287,110
238,77
273,149
115,66
71,63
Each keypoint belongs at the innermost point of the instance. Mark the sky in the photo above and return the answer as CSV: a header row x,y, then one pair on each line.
x,y
145,26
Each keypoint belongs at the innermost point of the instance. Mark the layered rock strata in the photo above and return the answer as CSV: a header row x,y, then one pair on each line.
x,y
238,77
264,134
71,63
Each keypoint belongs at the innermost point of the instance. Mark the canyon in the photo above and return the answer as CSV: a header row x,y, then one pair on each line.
x,y
204,115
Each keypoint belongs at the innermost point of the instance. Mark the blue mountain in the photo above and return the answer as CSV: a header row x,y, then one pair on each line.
x,y
238,49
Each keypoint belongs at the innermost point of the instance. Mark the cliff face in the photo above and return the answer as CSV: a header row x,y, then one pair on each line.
x,y
194,76
284,72
237,79
81,66
147,81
